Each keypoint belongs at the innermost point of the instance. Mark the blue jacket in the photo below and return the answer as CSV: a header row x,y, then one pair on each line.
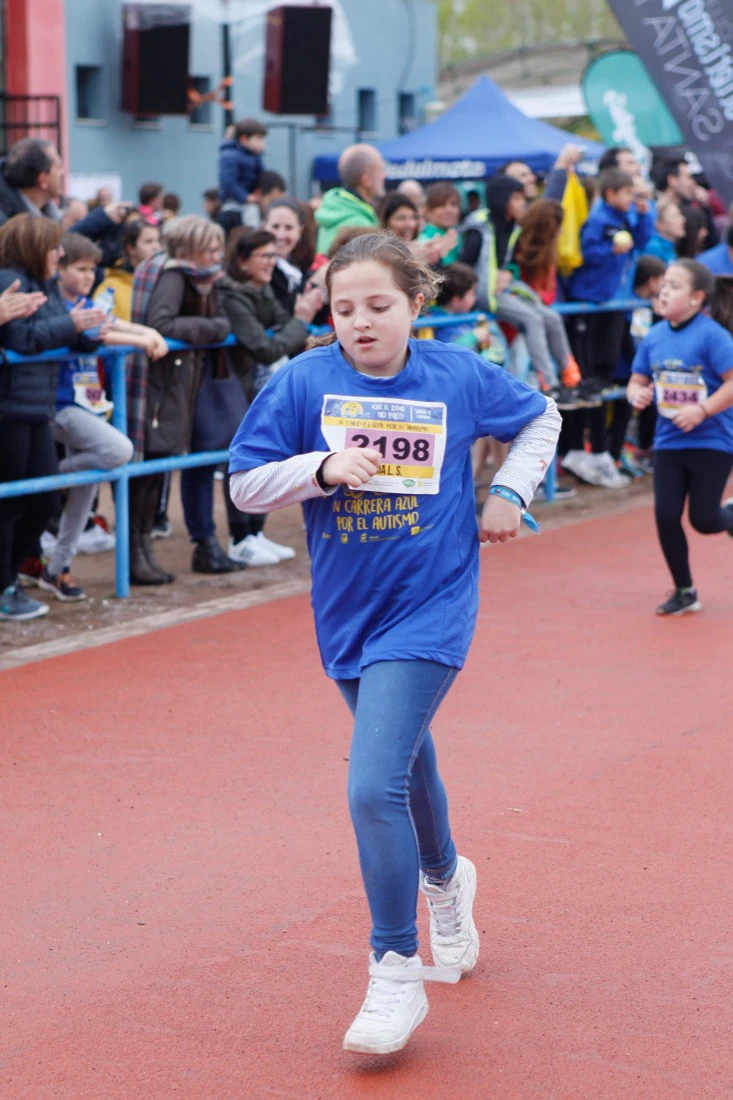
x,y
239,170
604,273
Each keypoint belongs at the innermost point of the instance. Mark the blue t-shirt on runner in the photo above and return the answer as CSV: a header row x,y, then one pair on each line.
x,y
395,573
79,382
686,364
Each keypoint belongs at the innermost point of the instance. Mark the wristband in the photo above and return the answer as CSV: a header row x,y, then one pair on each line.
x,y
514,498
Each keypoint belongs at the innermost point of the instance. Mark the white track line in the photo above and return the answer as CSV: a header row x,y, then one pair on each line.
x,y
13,658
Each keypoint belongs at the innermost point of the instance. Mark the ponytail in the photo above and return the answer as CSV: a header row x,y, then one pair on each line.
x,y
721,302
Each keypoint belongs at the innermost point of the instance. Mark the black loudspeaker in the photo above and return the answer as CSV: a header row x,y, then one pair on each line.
x,y
155,58
297,56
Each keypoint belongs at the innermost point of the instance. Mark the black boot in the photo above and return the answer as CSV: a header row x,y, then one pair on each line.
x,y
208,557
150,509
140,570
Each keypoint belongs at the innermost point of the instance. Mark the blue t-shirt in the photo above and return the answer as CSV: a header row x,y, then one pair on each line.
x,y
79,382
686,365
717,259
395,574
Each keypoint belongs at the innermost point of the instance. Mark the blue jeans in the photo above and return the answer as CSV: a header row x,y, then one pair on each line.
x,y
397,799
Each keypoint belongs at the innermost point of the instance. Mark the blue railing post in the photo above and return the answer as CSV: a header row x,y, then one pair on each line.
x,y
117,366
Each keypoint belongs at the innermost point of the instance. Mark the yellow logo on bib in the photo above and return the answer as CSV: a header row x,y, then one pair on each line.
x,y
352,408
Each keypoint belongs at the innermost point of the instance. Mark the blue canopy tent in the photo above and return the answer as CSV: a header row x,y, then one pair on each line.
x,y
471,140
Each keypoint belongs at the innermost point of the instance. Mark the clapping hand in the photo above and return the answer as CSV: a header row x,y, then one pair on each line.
x,y
14,304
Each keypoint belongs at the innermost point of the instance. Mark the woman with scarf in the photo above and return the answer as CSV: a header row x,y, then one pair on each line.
x,y
175,292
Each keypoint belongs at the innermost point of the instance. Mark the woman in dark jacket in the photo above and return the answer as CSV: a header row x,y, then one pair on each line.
x,y
267,336
29,256
183,306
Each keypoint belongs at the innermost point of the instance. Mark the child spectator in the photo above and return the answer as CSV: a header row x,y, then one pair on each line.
x,y
457,295
668,232
607,241
171,206
150,202
139,241
240,161
442,215
81,413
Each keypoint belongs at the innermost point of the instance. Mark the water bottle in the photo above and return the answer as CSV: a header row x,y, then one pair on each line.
x,y
105,302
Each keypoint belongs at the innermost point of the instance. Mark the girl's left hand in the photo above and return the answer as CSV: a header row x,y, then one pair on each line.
x,y
689,418
500,520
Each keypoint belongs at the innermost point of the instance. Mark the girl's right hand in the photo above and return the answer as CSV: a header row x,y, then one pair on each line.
x,y
352,467
83,319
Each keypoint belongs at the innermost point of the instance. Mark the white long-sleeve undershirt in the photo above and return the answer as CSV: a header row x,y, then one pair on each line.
x,y
279,484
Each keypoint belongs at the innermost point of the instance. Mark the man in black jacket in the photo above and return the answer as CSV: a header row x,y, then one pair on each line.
x,y
30,183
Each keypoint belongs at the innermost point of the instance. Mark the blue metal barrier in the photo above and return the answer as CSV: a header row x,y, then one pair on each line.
x,y
114,359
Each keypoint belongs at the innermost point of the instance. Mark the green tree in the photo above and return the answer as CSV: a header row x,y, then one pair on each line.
x,y
476,28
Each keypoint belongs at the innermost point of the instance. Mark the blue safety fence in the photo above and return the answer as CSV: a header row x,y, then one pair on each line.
x,y
114,359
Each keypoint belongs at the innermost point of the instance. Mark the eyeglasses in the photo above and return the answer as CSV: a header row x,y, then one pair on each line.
x,y
264,256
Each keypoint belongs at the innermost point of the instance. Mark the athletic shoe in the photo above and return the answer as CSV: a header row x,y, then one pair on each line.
x,y
602,471
395,1003
565,397
283,553
95,540
453,935
249,551
562,492
162,528
578,463
680,602
62,586
17,606
48,543
31,570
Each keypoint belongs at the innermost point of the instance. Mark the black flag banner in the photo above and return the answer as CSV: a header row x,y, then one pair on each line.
x,y
687,47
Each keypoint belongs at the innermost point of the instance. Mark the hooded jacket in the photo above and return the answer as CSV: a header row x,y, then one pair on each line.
x,y
604,272
239,170
499,190
338,209
498,236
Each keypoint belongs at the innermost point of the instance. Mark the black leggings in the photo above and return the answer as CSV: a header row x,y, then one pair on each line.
x,y
26,450
701,476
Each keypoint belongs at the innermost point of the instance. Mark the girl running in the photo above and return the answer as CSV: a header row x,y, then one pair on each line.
x,y
686,365
373,433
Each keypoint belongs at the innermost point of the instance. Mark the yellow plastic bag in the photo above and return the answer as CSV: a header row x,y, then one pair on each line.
x,y
575,206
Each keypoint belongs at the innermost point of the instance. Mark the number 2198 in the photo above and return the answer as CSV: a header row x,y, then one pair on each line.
x,y
394,447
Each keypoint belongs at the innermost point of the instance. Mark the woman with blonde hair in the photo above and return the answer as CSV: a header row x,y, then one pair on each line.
x,y
175,292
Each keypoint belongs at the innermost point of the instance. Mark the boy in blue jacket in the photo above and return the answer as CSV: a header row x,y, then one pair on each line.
x,y
240,163
608,240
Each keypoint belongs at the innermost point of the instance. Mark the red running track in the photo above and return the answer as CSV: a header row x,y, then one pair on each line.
x,y
182,915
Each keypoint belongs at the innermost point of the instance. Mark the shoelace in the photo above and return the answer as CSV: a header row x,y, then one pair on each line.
x,y
388,984
446,913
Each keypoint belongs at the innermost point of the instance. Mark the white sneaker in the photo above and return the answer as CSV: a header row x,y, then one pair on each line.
x,y
603,471
283,553
95,541
251,552
395,1003
454,937
48,543
576,462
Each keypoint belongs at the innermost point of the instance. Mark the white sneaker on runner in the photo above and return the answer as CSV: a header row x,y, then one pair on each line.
x,y
283,553
454,938
395,1003
251,552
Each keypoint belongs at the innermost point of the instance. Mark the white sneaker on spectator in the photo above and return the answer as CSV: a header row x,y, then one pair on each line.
x,y
604,472
454,937
95,541
578,463
283,553
251,552
48,543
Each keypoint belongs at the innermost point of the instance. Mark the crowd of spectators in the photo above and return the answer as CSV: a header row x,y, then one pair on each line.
x,y
253,263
